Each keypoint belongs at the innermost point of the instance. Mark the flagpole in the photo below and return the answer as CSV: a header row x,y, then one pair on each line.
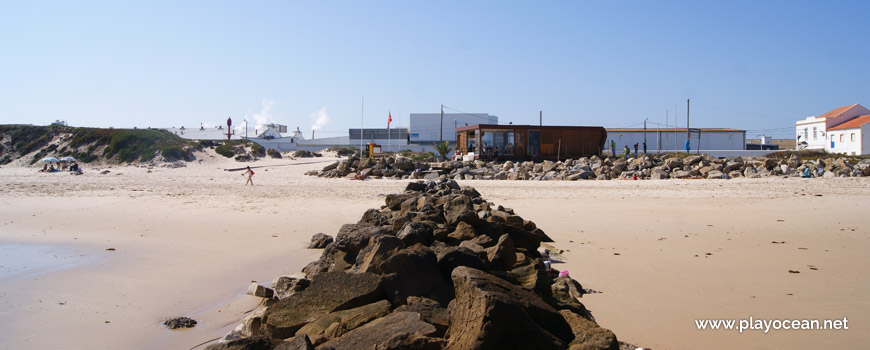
x,y
389,139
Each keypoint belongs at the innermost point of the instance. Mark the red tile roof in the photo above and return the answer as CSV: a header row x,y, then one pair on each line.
x,y
853,124
837,112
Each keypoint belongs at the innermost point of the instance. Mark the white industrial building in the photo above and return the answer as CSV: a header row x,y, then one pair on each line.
x,y
429,127
838,131
661,140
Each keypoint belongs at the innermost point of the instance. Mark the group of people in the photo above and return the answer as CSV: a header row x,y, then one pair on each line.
x,y
626,151
72,166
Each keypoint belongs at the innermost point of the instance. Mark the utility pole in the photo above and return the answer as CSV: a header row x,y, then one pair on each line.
x,y
676,121
540,118
667,135
442,125
362,112
688,135
644,133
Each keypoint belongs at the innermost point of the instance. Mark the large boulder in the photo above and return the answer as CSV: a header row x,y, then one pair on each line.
x,y
460,209
346,320
502,256
380,248
417,232
352,238
381,331
430,311
252,343
453,257
285,286
491,313
588,335
319,241
412,271
328,292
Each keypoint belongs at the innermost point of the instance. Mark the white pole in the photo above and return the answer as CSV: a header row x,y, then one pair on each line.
x,y
389,139
675,128
361,116
667,136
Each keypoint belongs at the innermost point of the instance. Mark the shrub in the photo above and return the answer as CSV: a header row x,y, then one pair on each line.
x,y
258,150
273,153
172,153
243,158
225,150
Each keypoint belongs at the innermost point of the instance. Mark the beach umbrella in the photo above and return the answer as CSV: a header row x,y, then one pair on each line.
x,y
68,159
49,160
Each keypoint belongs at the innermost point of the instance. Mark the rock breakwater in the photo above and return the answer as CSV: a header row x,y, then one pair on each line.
x,y
646,167
436,267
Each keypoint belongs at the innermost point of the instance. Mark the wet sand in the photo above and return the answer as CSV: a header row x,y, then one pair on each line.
x,y
188,241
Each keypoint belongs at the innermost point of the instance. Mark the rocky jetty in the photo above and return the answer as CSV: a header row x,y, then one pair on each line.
x,y
646,167
437,267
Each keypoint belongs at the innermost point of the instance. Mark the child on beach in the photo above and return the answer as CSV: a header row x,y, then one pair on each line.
x,y
250,173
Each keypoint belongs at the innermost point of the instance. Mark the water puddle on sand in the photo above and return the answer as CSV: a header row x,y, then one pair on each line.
x,y
23,260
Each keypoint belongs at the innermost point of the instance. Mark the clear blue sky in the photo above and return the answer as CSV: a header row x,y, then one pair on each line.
x,y
754,65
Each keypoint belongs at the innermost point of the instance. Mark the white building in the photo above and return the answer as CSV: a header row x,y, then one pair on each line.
x,y
428,127
674,140
811,133
848,138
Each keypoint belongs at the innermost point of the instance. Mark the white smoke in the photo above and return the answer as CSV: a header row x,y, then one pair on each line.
x,y
258,120
320,118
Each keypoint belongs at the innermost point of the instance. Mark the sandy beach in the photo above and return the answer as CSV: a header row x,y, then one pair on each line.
x,y
99,260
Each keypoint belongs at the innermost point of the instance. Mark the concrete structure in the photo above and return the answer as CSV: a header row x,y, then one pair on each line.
x,y
811,133
392,140
674,140
427,127
849,137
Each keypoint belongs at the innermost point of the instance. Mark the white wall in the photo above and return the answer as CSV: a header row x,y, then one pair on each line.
x,y
814,141
847,146
425,127
864,145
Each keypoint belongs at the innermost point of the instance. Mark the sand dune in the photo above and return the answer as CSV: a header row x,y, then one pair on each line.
x,y
188,241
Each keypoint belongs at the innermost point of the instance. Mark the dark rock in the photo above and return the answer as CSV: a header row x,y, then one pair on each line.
x,y
179,322
348,319
462,232
299,342
533,277
394,201
375,217
502,256
381,331
490,313
252,343
416,187
412,271
484,241
588,335
328,292
460,209
453,257
417,232
411,341
380,249
319,241
286,286
430,311
352,238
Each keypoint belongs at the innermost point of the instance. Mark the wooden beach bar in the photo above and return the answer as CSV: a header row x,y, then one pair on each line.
x,y
529,142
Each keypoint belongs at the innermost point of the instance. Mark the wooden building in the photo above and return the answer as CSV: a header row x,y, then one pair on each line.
x,y
529,142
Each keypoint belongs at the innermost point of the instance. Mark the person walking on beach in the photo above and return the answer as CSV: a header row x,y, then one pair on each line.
x,y
612,148
635,151
644,147
688,146
626,152
250,173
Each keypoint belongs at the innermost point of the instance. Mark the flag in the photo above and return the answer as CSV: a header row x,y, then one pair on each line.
x,y
390,119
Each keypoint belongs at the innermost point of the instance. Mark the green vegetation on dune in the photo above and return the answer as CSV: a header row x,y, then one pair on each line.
x,y
123,145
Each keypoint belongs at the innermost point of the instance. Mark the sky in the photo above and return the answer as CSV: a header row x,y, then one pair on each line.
x,y
332,65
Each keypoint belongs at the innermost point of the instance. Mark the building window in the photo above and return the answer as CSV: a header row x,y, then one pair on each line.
x,y
806,133
852,137
815,133
841,137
